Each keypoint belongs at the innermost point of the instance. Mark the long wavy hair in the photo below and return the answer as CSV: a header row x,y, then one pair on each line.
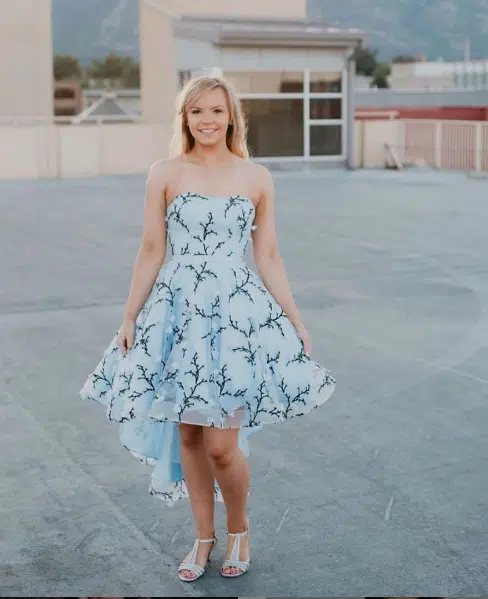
x,y
183,141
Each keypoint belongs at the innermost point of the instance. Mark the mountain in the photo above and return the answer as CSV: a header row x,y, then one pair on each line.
x,y
437,28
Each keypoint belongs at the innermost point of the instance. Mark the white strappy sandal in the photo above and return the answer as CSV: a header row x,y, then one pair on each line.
x,y
234,561
191,564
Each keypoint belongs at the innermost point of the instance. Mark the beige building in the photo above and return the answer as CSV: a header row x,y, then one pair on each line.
x,y
287,71
26,80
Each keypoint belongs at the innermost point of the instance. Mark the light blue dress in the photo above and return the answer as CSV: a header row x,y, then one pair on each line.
x,y
212,346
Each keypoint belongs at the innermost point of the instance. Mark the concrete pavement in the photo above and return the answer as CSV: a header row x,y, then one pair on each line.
x,y
383,491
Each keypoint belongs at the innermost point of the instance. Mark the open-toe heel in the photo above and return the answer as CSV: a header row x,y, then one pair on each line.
x,y
234,561
191,564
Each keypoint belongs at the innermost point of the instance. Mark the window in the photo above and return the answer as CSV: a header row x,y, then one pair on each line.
x,y
325,140
278,121
326,108
266,82
325,82
184,77
275,127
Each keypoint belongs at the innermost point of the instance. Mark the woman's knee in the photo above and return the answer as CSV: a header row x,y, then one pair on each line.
x,y
221,446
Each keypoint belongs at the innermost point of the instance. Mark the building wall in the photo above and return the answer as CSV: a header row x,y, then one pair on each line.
x,y
422,76
195,54
50,151
235,58
420,98
26,68
199,54
33,152
250,8
158,76
471,74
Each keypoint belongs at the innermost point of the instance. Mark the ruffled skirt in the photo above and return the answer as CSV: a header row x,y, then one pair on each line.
x,y
212,348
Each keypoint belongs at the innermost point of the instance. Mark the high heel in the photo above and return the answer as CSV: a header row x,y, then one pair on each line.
x,y
191,565
234,561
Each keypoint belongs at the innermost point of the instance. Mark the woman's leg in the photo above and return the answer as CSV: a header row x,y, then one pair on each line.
x,y
200,481
232,473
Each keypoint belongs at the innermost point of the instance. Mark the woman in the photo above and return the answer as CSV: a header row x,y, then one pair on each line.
x,y
207,353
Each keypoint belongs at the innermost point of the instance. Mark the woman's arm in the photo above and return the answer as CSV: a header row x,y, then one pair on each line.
x,y
267,256
152,249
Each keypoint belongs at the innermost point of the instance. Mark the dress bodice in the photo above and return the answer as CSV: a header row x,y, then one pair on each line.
x,y
209,226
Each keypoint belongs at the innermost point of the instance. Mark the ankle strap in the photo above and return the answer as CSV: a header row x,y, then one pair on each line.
x,y
238,534
214,540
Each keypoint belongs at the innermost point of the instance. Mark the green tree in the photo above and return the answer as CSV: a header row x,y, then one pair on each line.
x,y
66,67
132,75
121,70
366,61
380,75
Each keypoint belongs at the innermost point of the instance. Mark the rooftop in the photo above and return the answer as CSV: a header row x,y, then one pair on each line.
x,y
287,32
389,272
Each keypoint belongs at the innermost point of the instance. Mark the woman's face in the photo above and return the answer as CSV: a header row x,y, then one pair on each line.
x,y
209,117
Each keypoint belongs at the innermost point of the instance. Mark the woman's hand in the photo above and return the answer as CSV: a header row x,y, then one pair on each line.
x,y
305,337
125,337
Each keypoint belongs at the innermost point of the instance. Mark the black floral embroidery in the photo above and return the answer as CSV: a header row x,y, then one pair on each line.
x,y
231,203
143,338
274,318
293,398
176,216
202,273
215,328
258,405
242,284
101,377
191,385
273,361
300,357
166,290
203,238
248,348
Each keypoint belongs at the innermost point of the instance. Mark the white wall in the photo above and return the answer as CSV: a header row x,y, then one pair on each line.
x,y
371,137
26,71
191,54
195,54
37,152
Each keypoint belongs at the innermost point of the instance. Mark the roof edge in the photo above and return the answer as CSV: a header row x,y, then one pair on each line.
x,y
227,30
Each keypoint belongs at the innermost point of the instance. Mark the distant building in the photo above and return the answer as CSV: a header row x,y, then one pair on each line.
x,y
68,98
289,71
440,75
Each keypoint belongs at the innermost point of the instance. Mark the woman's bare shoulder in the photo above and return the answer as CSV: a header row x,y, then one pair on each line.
x,y
163,174
256,170
257,173
165,167
262,179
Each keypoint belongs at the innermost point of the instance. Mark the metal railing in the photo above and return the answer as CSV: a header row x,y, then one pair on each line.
x,y
458,145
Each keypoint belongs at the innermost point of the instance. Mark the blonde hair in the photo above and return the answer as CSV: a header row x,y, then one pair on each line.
x,y
183,141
